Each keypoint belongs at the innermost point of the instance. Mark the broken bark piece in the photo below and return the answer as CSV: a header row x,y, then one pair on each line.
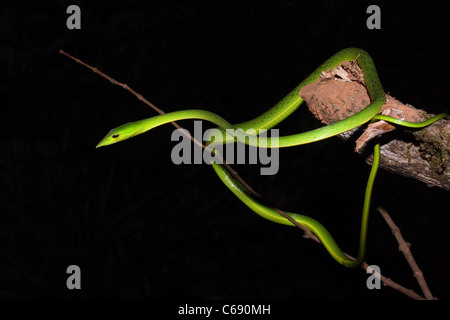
x,y
340,93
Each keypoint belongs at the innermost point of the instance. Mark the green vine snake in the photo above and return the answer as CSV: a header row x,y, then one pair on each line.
x,y
272,117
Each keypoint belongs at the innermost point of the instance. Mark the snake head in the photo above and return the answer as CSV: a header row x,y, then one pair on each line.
x,y
118,134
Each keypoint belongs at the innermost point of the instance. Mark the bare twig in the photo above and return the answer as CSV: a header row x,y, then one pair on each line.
x,y
308,233
403,247
389,283
364,265
159,111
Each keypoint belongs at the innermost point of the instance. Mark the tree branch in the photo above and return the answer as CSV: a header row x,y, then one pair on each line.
x,y
308,234
404,247
423,155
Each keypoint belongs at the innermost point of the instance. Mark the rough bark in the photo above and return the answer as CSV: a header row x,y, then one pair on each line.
x,y
420,154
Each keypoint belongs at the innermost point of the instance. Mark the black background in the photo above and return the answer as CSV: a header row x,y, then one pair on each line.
x,y
141,227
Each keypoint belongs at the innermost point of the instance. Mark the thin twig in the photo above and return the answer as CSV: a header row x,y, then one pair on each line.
x,y
308,233
159,111
389,283
364,265
404,247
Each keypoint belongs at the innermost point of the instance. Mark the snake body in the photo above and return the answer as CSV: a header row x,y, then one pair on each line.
x,y
248,131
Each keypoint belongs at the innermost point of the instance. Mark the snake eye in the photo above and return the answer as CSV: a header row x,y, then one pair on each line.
x,y
115,135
